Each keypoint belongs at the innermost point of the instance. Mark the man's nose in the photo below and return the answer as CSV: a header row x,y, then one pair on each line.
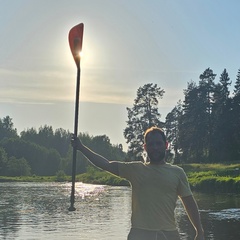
x,y
155,146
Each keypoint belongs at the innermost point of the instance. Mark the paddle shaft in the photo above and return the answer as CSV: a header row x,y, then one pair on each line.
x,y
72,199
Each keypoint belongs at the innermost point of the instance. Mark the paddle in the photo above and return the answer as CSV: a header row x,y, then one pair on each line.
x,y
75,38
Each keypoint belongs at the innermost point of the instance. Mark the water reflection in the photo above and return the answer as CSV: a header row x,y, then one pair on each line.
x,y
40,211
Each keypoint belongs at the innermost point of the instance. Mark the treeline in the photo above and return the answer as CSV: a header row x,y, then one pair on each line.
x,y
45,152
205,127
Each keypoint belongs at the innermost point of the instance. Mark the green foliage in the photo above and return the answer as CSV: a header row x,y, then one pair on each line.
x,y
42,161
237,84
28,179
217,184
7,129
172,130
195,129
3,161
61,176
13,166
46,137
221,178
17,167
45,152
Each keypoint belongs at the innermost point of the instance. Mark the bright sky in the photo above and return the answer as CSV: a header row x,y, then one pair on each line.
x,y
126,44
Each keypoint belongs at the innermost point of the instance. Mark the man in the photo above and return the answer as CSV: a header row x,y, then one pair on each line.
x,y
156,186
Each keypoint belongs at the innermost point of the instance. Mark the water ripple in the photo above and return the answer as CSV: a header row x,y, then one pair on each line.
x,y
229,214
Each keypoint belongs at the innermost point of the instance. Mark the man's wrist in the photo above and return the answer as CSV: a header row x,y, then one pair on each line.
x,y
200,231
80,146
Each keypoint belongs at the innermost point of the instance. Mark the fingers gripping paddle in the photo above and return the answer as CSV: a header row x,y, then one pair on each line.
x,y
75,38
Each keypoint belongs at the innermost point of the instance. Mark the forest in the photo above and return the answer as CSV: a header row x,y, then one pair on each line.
x,y
45,152
204,127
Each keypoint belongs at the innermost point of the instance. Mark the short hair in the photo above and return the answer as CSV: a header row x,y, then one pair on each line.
x,y
154,130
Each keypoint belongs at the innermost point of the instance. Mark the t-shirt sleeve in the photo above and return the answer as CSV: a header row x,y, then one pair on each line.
x,y
184,189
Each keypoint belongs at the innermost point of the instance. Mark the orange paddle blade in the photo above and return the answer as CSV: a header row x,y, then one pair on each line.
x,y
75,39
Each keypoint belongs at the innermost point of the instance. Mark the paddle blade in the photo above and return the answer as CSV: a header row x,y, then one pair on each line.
x,y
75,38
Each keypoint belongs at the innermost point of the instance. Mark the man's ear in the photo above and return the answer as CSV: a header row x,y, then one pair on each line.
x,y
166,145
145,146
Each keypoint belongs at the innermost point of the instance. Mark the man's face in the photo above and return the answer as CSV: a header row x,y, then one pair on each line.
x,y
155,147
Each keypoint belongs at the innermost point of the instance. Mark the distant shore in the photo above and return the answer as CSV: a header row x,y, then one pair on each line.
x,y
219,178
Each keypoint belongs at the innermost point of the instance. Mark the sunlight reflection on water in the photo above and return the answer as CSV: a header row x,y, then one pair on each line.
x,y
39,211
88,190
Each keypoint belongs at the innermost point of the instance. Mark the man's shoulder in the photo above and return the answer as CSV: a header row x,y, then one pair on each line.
x,y
174,167
132,163
129,169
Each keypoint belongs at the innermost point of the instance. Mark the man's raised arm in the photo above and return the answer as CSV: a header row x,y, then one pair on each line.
x,y
96,159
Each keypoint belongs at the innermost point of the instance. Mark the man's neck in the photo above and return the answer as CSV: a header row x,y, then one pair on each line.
x,y
161,162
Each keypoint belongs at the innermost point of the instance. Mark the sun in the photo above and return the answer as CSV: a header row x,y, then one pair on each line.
x,y
81,54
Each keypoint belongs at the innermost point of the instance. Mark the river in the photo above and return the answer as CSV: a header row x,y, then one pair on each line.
x,y
39,211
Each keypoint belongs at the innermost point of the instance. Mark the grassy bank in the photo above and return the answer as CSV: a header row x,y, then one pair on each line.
x,y
221,178
93,176
28,179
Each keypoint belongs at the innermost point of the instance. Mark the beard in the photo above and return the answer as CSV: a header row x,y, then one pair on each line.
x,y
156,156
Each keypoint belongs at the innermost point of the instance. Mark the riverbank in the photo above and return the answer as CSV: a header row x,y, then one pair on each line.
x,y
219,178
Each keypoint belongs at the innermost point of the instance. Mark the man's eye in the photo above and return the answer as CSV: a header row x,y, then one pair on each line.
x,y
155,144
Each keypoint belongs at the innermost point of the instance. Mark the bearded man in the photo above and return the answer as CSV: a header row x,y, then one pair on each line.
x,y
156,186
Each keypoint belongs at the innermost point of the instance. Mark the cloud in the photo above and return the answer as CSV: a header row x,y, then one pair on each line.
x,y
34,86
98,85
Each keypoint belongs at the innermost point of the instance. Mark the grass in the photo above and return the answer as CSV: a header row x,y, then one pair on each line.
x,y
93,175
28,179
221,178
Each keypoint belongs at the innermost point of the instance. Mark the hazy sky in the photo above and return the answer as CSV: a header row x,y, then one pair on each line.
x,y
126,44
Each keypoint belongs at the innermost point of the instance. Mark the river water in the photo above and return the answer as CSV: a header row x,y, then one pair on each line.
x,y
39,211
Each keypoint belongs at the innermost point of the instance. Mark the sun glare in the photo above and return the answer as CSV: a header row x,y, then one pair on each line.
x,y
81,54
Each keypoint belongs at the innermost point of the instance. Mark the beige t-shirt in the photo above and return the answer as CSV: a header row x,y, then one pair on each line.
x,y
155,189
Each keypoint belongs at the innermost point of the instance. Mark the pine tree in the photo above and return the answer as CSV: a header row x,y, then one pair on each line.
x,y
172,130
234,125
141,116
220,119
237,84
7,129
225,82
195,130
192,130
